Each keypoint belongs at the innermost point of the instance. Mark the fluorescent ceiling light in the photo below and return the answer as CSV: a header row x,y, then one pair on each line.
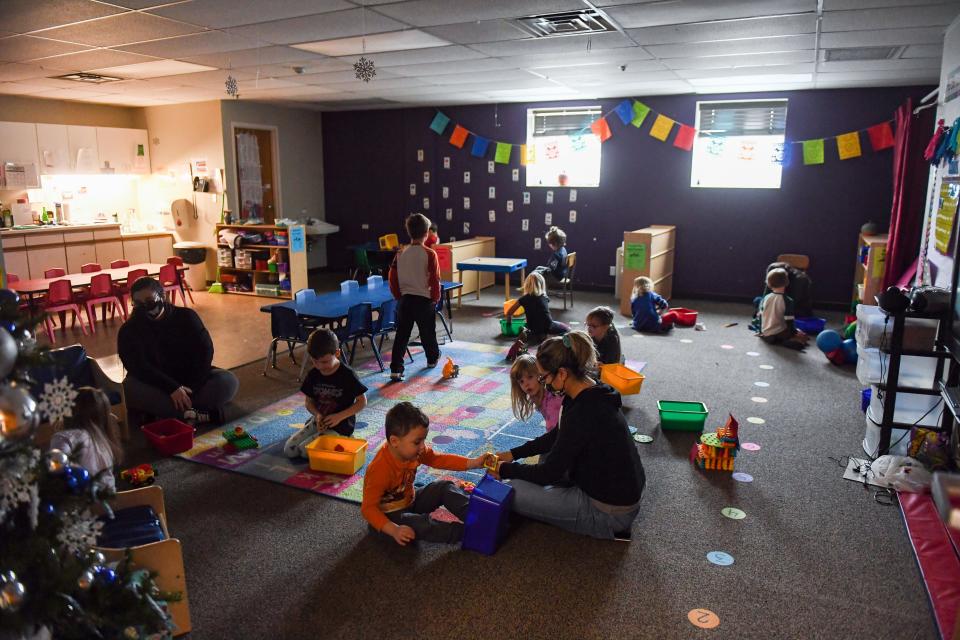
x,y
154,69
376,43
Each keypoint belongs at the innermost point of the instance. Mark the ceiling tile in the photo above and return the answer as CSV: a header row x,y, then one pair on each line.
x,y
94,59
377,86
146,4
474,32
374,43
726,30
420,56
746,72
684,11
265,84
71,94
839,5
733,47
924,51
308,66
152,69
337,76
220,14
119,30
192,45
571,44
462,66
611,71
759,81
580,58
13,72
504,75
324,26
879,65
21,88
747,60
130,101
899,18
252,57
917,76
933,35
20,48
213,80
424,13
30,15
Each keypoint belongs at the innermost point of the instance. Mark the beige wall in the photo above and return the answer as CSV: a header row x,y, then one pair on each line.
x,y
20,109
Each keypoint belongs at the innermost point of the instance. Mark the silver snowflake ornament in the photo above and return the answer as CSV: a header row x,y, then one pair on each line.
x,y
364,69
79,531
56,402
232,90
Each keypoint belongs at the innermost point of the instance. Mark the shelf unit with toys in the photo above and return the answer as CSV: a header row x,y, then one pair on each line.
x,y
271,267
868,274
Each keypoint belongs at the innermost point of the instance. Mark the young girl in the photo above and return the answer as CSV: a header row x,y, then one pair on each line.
x,y
556,268
92,436
650,311
605,336
528,395
536,304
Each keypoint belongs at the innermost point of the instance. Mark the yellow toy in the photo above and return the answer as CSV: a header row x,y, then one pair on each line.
x,y
491,462
450,370
718,450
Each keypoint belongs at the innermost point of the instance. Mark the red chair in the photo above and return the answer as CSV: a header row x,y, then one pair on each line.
x,y
170,279
184,285
60,298
123,290
13,277
119,264
55,272
102,293
90,267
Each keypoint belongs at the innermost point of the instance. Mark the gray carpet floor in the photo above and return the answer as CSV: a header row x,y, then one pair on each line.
x,y
815,557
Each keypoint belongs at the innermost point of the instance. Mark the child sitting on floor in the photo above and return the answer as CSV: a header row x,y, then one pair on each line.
x,y
536,305
390,504
92,436
556,268
605,336
334,394
527,394
776,314
651,312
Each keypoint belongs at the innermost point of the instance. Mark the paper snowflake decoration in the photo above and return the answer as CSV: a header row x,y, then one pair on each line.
x,y
364,69
715,146
779,154
18,484
232,90
80,531
56,402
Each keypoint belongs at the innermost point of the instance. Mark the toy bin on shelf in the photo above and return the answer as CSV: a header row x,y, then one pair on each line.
x,y
485,525
685,317
678,415
623,379
513,327
337,454
911,408
389,241
508,304
873,366
810,326
169,436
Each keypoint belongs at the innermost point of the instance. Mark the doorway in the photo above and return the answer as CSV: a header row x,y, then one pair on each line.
x,y
254,153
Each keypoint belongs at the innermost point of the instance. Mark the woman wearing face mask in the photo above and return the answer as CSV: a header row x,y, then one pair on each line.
x,y
591,453
167,353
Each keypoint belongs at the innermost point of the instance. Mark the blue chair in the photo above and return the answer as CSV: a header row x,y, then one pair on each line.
x,y
305,295
443,319
386,322
359,325
285,326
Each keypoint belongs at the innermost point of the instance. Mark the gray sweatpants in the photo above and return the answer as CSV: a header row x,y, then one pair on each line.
x,y
218,390
441,493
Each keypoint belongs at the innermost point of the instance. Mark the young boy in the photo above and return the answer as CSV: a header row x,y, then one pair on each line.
x,y
415,282
432,237
389,503
556,269
334,395
776,314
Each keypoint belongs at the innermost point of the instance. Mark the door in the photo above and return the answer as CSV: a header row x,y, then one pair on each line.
x,y
253,153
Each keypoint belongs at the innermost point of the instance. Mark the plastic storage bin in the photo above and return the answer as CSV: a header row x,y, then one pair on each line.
x,y
324,456
485,525
623,379
263,289
873,366
224,257
508,304
685,317
348,286
169,436
810,326
389,241
910,408
918,334
677,415
514,326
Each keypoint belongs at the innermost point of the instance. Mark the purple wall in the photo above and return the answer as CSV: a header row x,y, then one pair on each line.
x,y
725,237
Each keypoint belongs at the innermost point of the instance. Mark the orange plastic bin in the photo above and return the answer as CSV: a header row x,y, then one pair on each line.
x,y
623,379
337,454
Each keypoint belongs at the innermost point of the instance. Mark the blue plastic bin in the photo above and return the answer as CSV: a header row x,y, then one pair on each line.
x,y
348,286
485,526
810,326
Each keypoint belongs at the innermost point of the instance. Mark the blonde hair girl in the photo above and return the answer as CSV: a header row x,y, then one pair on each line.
x,y
528,395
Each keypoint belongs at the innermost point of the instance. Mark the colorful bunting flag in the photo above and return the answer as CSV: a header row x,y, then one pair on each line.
x,y
813,151
503,153
601,129
458,137
523,155
480,145
661,127
640,112
684,139
625,111
881,136
783,154
848,145
440,122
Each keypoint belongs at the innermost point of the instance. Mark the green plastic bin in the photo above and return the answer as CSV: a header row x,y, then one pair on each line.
x,y
676,415
514,326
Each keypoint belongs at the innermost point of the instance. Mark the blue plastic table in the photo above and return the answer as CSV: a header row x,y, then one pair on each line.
x,y
506,266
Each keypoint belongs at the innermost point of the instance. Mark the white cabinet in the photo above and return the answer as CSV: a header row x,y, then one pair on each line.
x,y
161,248
82,144
18,144
54,149
123,150
136,250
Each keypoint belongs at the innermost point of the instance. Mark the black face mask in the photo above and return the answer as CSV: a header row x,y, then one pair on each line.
x,y
151,308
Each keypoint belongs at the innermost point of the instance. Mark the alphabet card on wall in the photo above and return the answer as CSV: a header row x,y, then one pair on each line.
x,y
573,195
449,214
549,197
426,203
490,166
492,192
445,192
548,218
413,189
466,177
536,243
526,197
466,202
419,155
426,177
492,215
446,162
466,228
525,225
509,206
573,215
515,174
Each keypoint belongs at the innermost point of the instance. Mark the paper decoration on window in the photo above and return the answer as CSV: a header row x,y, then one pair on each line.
x,y
548,218
449,214
525,225
466,177
813,151
526,197
466,202
782,154
601,129
552,151
640,112
426,177
466,228
577,143
492,215
440,122
480,145
536,243
426,203
573,215
458,137
509,206
515,175
746,151
684,139
881,136
715,146
445,192
848,145
503,153
419,155
625,111
413,189
527,157
661,127
573,195
549,197
446,162
492,192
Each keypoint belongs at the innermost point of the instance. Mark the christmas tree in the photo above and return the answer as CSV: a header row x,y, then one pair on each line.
x,y
52,580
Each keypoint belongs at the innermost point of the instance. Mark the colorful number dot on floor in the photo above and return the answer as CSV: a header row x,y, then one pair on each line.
x,y
755,420
703,618
753,354
750,446
285,412
686,341
761,384
766,367
733,513
726,346
642,437
739,476
720,558
759,399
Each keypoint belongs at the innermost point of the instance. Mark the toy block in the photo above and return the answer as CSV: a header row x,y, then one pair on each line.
x,y
717,451
485,525
239,440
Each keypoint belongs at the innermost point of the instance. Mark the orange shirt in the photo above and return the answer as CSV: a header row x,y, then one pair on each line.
x,y
388,483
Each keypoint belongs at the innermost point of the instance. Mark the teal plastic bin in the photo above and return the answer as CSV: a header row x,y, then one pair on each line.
x,y
677,415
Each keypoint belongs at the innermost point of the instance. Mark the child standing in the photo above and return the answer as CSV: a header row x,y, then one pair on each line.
x,y
334,394
605,336
432,237
390,504
650,310
536,305
776,314
92,436
415,282
556,269
527,393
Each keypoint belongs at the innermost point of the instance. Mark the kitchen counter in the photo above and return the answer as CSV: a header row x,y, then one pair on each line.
x,y
59,228
146,234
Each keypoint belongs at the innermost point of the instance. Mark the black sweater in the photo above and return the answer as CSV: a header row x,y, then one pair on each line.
x,y
593,444
608,349
175,350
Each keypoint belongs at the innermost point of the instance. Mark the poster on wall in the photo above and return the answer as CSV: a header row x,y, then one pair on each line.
x,y
946,215
953,85
635,256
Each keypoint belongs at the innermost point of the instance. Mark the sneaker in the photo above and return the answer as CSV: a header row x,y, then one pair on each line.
x,y
623,536
431,365
524,335
396,376
195,417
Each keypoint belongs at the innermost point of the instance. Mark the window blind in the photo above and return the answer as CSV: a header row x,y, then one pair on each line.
x,y
564,122
748,118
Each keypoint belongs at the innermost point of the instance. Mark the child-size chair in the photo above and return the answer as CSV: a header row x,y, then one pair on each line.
x,y
177,261
566,285
102,292
170,279
60,299
54,272
123,290
90,267
119,264
285,326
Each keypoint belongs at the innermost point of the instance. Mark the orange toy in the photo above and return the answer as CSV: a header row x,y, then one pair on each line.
x,y
450,370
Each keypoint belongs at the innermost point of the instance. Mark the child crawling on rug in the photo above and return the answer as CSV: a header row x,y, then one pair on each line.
x,y
334,394
390,505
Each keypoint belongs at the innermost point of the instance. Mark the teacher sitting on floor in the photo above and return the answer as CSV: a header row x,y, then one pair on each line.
x,y
167,353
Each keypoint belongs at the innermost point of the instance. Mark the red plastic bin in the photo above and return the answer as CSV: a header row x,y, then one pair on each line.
x,y
170,436
685,317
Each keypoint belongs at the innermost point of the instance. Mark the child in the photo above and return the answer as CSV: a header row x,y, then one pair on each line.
x,y
432,237
527,394
650,311
605,336
776,314
536,305
556,269
334,395
92,436
415,282
390,504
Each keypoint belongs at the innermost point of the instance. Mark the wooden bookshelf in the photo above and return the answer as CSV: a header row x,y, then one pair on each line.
x,y
296,260
651,254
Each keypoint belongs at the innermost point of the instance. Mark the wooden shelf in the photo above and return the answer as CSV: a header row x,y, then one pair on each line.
x,y
251,226
254,293
285,247
251,270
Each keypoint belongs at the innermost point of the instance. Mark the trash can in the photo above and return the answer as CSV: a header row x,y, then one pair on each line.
x,y
194,255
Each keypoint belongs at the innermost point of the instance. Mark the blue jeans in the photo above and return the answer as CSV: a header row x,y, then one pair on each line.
x,y
568,508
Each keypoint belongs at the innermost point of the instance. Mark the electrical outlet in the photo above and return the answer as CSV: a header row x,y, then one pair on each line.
x,y
364,226
613,271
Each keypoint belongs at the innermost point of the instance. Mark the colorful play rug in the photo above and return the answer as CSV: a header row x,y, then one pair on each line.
x,y
469,415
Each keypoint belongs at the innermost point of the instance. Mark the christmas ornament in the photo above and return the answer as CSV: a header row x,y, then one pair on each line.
x,y
56,461
56,402
79,531
26,343
9,300
12,593
96,557
48,509
364,69
130,633
85,581
77,478
18,415
232,89
8,351
18,484
105,575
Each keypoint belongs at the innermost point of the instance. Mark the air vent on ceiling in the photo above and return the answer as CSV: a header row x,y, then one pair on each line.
x,y
862,53
89,78
569,23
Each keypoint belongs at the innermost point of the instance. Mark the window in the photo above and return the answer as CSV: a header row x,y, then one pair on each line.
x,y
739,144
561,149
